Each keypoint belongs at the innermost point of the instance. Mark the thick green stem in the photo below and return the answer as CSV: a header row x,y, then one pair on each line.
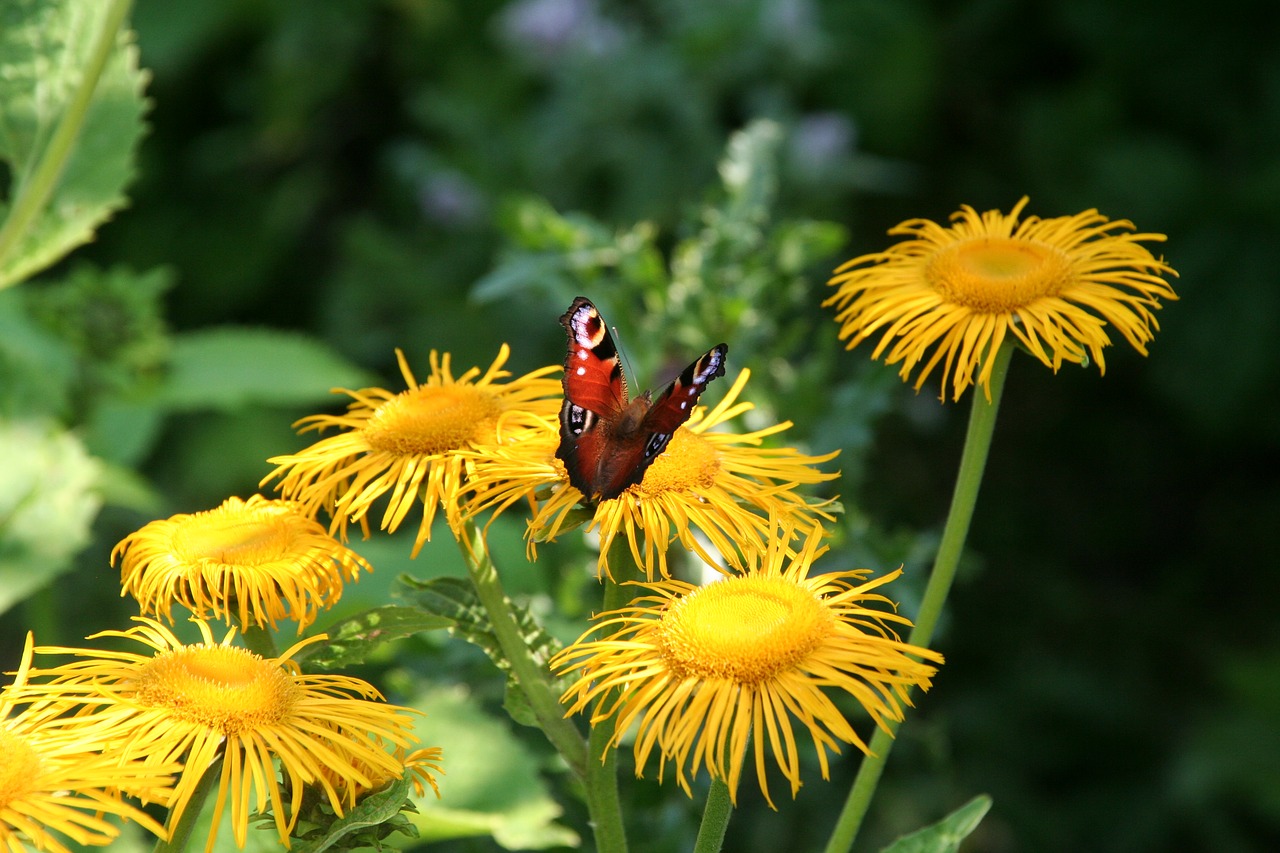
x,y
259,640
977,443
180,832
715,818
532,676
32,194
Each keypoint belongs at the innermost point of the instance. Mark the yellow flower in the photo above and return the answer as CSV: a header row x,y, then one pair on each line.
x,y
56,782
206,701
726,486
408,444
418,764
953,294
703,672
260,559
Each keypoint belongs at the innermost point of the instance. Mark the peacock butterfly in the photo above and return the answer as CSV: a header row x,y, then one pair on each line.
x,y
608,440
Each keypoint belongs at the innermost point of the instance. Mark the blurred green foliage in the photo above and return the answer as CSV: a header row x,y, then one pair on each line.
x,y
356,176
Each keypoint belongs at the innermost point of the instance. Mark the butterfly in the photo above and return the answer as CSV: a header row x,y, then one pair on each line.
x,y
608,440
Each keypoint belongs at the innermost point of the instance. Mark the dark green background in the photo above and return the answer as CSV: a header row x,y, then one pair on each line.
x,y
1113,675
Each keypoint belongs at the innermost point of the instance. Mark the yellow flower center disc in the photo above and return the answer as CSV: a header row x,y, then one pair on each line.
x,y
690,461
19,768
997,274
430,420
744,629
224,688
233,538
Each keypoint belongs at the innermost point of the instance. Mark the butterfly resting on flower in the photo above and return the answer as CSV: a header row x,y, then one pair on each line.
x,y
607,439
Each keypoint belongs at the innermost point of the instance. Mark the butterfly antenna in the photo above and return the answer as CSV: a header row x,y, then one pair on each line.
x,y
628,367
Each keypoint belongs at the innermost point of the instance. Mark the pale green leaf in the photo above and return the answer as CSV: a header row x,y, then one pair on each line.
x,y
47,502
491,784
66,179
227,368
945,835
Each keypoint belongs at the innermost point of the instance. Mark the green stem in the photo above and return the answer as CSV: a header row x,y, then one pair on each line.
x,y
602,765
532,676
715,818
259,640
180,833
977,443
32,194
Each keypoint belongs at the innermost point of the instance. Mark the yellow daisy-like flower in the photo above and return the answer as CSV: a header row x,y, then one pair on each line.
x,y
408,445
726,486
953,294
702,672
261,559
419,765
209,700
56,782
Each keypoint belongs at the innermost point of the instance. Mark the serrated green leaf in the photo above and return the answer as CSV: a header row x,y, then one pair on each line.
x,y
352,640
71,108
945,835
373,810
228,368
454,599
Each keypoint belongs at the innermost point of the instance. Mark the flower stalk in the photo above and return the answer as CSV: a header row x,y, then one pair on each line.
x,y
973,460
715,818
530,675
181,831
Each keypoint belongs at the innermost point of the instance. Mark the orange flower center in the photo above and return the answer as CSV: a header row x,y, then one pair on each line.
x,y
430,420
743,629
997,274
19,768
223,688
689,462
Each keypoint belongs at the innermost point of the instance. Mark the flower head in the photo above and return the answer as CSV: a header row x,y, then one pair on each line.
x,y
703,672
726,486
261,559
409,445
55,782
953,294
211,700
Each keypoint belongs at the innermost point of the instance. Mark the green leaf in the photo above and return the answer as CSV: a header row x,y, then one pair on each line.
x,y
352,640
945,835
227,368
374,810
454,599
749,170
492,785
46,506
71,109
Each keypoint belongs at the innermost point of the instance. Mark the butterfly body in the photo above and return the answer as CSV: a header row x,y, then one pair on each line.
x,y
607,439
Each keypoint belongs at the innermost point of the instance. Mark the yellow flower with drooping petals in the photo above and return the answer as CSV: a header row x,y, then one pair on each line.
x,y
212,701
954,294
700,675
261,560
408,446
56,782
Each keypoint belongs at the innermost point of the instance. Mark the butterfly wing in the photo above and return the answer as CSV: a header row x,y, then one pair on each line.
x,y
607,441
595,394
675,404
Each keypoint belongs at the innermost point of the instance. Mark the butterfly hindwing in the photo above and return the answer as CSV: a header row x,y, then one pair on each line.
x,y
607,440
